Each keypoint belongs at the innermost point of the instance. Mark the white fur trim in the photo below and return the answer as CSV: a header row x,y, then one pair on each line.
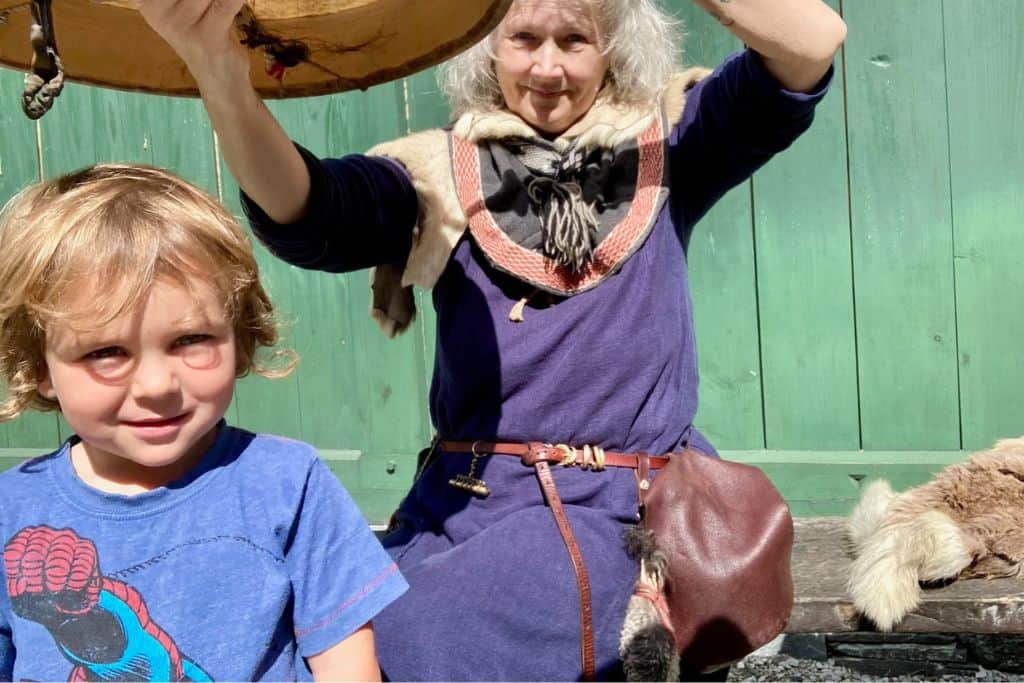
x,y
441,223
674,99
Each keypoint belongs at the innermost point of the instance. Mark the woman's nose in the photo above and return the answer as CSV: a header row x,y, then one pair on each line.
x,y
547,61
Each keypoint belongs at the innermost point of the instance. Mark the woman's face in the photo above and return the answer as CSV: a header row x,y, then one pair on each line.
x,y
549,62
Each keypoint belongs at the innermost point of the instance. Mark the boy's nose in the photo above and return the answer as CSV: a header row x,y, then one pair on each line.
x,y
154,378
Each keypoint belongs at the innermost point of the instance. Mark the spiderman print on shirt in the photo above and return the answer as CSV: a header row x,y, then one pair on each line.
x,y
101,625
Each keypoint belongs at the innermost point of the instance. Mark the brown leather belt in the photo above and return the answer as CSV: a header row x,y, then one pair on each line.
x,y
538,456
533,452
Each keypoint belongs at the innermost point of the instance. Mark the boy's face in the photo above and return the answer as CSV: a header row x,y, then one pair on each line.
x,y
146,391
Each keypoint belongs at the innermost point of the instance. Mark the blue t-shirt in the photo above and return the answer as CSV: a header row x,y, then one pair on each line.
x,y
251,562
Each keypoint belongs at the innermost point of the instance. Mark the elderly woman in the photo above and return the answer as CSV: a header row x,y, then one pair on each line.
x,y
551,222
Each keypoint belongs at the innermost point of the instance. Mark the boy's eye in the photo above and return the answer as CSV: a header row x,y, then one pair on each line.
x,y
105,352
189,339
199,351
109,363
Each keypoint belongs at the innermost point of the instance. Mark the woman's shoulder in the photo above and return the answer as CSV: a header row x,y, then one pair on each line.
x,y
679,88
418,148
426,157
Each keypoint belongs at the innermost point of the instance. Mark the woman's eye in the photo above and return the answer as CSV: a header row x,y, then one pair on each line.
x,y
577,38
522,37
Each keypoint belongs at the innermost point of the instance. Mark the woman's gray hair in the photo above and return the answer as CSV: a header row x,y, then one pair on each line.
x,y
643,44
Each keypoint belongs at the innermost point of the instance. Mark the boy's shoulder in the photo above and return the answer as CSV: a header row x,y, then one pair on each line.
x,y
268,457
279,444
274,449
27,489
281,472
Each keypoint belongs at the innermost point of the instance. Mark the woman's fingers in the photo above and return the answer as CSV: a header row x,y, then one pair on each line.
x,y
189,13
201,32
183,23
221,13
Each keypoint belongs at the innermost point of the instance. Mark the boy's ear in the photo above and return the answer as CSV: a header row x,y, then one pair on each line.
x,y
45,388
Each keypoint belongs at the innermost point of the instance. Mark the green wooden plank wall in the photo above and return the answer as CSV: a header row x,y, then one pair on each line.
x,y
858,301
985,99
901,227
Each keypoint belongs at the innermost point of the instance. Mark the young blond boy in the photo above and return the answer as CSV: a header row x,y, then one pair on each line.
x,y
158,543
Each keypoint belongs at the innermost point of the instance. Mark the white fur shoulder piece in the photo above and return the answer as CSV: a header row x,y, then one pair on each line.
x,y
674,99
605,125
440,224
442,221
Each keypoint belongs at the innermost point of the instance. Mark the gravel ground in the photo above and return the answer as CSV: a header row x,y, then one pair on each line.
x,y
786,668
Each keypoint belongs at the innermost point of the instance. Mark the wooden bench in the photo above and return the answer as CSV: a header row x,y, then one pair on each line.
x,y
820,569
821,566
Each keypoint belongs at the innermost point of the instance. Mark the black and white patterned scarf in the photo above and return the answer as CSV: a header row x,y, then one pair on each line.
x,y
557,176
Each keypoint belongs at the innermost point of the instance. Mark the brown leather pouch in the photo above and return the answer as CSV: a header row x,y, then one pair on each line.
x,y
719,540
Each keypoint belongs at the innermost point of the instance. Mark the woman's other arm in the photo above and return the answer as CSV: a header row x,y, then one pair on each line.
x,y
259,153
797,39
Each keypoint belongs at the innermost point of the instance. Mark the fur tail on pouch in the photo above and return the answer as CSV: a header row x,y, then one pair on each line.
x,y
896,546
647,645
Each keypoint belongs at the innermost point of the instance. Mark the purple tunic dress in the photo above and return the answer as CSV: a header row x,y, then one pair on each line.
x,y
492,592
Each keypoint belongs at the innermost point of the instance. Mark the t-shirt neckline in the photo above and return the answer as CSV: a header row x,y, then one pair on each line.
x,y
101,503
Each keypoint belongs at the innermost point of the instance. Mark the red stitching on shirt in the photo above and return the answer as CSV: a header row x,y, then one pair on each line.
x,y
362,593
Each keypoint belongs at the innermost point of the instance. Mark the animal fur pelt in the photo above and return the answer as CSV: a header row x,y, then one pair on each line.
x,y
967,522
647,645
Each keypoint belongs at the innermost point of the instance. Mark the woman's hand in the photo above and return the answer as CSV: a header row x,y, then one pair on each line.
x,y
201,32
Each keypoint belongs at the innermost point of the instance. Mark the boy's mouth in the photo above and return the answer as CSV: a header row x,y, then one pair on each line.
x,y
156,422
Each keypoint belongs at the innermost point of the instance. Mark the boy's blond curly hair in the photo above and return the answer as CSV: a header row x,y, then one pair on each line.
x,y
86,247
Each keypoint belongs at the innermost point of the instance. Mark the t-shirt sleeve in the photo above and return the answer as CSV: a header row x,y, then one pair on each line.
x,y
361,213
734,121
341,575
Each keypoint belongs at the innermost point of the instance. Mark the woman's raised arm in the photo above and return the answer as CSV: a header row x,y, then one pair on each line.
x,y
259,153
796,38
